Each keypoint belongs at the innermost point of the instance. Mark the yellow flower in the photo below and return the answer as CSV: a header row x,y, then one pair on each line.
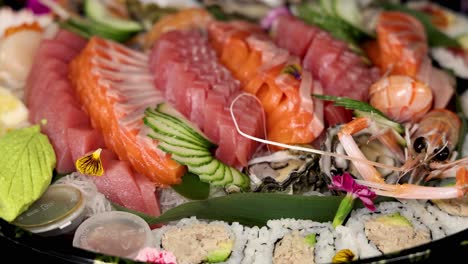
x,y
343,256
90,164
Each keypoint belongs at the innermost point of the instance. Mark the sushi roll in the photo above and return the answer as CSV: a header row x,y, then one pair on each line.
x,y
392,227
293,241
193,241
451,214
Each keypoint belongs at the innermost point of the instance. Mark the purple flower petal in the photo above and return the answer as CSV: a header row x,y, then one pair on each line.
x,y
268,20
346,182
37,7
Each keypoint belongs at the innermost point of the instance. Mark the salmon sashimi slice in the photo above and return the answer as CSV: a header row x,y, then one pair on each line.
x,y
329,60
259,65
188,73
191,18
402,43
115,86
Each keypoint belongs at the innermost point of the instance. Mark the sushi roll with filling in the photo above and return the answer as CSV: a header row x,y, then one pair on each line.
x,y
451,214
293,241
193,241
392,227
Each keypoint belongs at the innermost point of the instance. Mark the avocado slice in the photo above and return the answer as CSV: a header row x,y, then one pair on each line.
x,y
394,219
311,239
222,253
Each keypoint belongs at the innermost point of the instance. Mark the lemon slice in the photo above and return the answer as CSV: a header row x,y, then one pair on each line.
x,y
13,113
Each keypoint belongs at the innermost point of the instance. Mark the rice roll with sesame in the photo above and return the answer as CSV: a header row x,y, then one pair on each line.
x,y
193,241
392,227
294,241
451,214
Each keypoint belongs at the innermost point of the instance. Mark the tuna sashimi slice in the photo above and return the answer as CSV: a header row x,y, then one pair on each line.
x,y
299,37
83,140
148,192
70,39
54,49
122,178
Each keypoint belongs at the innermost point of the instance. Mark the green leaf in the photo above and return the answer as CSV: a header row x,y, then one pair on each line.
x,y
352,104
435,37
28,161
255,209
251,209
192,188
361,108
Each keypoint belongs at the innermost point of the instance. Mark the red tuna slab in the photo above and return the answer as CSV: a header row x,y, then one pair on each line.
x,y
330,61
187,70
51,97
297,30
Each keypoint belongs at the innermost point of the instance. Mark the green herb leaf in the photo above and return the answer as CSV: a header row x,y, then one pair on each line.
x,y
28,160
192,188
435,37
352,104
361,108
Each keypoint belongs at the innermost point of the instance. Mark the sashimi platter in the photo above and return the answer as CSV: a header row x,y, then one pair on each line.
x,y
212,131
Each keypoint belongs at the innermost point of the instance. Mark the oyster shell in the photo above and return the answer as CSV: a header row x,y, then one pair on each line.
x,y
284,171
371,148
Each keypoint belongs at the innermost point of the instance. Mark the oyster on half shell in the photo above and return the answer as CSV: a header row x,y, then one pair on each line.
x,y
284,171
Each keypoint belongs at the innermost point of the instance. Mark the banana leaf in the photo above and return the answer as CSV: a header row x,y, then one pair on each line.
x,y
251,209
192,188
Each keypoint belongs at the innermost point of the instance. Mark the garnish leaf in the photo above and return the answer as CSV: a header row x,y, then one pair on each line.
x,y
435,37
254,209
28,161
360,108
351,104
192,187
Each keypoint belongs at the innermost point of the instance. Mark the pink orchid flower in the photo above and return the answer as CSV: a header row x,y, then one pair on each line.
x,y
152,255
37,7
268,20
346,182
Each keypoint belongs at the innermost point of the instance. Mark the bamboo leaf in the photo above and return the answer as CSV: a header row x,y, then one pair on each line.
x,y
192,188
252,209
255,209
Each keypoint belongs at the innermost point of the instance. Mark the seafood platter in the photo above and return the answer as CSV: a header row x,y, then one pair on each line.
x,y
245,132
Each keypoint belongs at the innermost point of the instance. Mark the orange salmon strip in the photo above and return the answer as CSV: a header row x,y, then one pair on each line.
x,y
253,59
99,89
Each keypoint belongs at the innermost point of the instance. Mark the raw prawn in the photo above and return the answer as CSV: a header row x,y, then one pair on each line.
x,y
292,116
433,143
401,48
401,98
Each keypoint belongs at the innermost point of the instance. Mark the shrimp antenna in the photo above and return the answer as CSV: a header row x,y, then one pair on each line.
x,y
304,149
